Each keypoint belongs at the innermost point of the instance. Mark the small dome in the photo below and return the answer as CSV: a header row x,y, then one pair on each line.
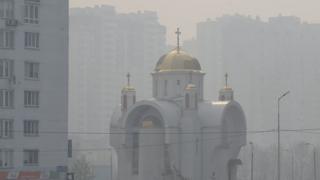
x,y
128,88
177,60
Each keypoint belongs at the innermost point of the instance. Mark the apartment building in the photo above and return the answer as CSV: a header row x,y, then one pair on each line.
x,y
33,88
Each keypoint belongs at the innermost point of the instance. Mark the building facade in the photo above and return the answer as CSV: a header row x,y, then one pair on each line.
x,y
177,134
104,46
265,58
33,88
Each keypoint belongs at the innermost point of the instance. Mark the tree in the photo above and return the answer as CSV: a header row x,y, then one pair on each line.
x,y
82,169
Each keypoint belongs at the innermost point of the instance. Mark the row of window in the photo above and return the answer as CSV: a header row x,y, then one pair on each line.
x,y
31,11
7,38
30,128
30,157
31,69
31,98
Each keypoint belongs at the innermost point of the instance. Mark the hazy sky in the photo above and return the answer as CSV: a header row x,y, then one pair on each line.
x,y
186,13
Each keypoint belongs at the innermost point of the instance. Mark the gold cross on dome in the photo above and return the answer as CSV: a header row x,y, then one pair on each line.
x,y
178,33
226,77
128,78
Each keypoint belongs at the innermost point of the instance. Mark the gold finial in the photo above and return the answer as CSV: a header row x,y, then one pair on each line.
x,y
128,78
178,33
226,78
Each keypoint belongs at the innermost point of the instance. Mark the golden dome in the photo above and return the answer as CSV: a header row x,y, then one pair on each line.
x,y
128,88
177,60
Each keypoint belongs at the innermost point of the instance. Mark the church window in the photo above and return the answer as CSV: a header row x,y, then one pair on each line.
x,y
156,88
135,153
196,101
124,103
178,88
187,100
223,98
134,99
165,87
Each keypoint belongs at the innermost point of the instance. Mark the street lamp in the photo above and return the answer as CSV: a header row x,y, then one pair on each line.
x,y
279,99
111,169
251,144
314,160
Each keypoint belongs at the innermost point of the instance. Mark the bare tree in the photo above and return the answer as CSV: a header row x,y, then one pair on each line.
x,y
82,169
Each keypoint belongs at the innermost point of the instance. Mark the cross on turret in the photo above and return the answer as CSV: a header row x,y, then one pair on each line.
x,y
128,78
226,78
178,33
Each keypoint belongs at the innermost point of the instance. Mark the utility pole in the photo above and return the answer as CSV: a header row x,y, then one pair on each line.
x,y
292,166
111,168
315,162
279,153
251,160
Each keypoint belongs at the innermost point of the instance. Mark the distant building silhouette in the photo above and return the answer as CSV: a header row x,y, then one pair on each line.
x,y
104,46
264,58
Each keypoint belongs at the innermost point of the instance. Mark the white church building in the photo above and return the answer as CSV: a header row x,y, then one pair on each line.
x,y
177,134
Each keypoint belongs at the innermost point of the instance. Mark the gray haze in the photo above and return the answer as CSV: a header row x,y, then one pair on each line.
x,y
186,13
264,57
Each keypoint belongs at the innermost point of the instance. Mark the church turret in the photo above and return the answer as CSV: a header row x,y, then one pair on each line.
x,y
226,93
128,96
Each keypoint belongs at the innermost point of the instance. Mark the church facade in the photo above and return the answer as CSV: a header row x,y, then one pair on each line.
x,y
177,134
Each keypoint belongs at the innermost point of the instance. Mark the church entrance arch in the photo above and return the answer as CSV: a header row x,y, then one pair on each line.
x,y
232,168
146,137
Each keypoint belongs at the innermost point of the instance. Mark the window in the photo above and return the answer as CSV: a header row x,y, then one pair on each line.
x,y
187,100
165,87
6,128
31,98
31,157
31,127
6,38
124,102
31,40
6,158
31,13
6,9
6,98
6,67
31,70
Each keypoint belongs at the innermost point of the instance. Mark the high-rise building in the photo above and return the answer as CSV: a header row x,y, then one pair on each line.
x,y
33,88
264,59
104,47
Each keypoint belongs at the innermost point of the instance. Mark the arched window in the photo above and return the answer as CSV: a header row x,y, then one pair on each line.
x,y
187,100
155,88
124,102
196,101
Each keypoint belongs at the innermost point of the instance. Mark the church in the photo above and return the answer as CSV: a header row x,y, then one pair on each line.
x,y
177,134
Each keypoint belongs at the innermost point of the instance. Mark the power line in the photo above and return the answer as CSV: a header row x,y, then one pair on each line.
x,y
167,144
308,130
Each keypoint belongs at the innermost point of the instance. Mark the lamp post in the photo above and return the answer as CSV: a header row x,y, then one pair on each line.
x,y
111,169
279,158
251,144
314,160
